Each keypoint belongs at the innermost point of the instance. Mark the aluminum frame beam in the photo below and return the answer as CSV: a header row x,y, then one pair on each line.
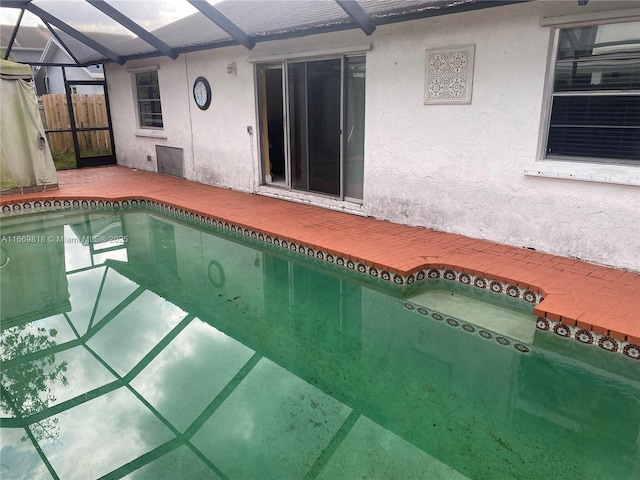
x,y
358,15
64,45
15,3
13,35
224,23
81,37
133,27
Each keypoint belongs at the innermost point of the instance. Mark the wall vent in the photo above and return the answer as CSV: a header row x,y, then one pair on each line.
x,y
170,160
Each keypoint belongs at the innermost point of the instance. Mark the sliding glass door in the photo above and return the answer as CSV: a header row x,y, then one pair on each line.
x,y
354,127
317,108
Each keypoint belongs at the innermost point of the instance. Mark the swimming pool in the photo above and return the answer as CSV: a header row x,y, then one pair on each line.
x,y
140,345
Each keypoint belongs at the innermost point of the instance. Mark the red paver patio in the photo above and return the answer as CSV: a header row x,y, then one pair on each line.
x,y
604,300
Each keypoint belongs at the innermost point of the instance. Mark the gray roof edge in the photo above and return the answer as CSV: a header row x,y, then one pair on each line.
x,y
436,9
444,7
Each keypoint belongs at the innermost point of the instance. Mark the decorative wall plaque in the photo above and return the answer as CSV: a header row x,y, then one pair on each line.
x,y
449,75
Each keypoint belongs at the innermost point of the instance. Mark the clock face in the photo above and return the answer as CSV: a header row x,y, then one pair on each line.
x,y
202,93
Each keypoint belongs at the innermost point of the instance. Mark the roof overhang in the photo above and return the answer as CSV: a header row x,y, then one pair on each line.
x,y
354,16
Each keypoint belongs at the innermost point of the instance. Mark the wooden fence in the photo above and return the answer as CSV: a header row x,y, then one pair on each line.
x,y
90,111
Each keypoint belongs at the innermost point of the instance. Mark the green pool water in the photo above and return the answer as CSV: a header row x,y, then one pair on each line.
x,y
141,347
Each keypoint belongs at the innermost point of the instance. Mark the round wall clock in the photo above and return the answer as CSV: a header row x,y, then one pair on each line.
x,y
202,93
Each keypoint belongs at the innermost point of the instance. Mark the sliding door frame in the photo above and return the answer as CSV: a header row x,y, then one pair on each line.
x,y
261,101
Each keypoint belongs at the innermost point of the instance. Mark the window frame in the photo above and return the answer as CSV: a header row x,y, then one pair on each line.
x,y
139,113
548,98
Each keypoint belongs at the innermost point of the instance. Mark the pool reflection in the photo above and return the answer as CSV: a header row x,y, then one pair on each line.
x,y
179,353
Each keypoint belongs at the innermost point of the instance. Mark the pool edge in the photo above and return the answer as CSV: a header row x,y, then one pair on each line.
x,y
563,326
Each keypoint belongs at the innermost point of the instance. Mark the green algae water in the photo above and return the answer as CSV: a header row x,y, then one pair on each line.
x,y
141,347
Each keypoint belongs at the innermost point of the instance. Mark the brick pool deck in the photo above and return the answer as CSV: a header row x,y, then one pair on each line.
x,y
579,294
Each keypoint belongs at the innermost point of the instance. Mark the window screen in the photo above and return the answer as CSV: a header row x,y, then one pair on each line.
x,y
148,96
595,110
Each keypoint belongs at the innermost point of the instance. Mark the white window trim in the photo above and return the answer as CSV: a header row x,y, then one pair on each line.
x,y
150,132
148,68
304,55
612,16
588,171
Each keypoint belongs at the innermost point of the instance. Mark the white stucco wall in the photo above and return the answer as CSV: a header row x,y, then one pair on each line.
x,y
134,144
456,168
459,168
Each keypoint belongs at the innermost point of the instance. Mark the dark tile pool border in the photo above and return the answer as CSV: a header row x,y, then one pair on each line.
x,y
586,337
468,327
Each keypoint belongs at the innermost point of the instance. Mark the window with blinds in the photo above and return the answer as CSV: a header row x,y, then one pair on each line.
x,y
595,104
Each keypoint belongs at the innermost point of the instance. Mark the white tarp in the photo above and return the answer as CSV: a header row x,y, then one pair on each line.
x,y
25,157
